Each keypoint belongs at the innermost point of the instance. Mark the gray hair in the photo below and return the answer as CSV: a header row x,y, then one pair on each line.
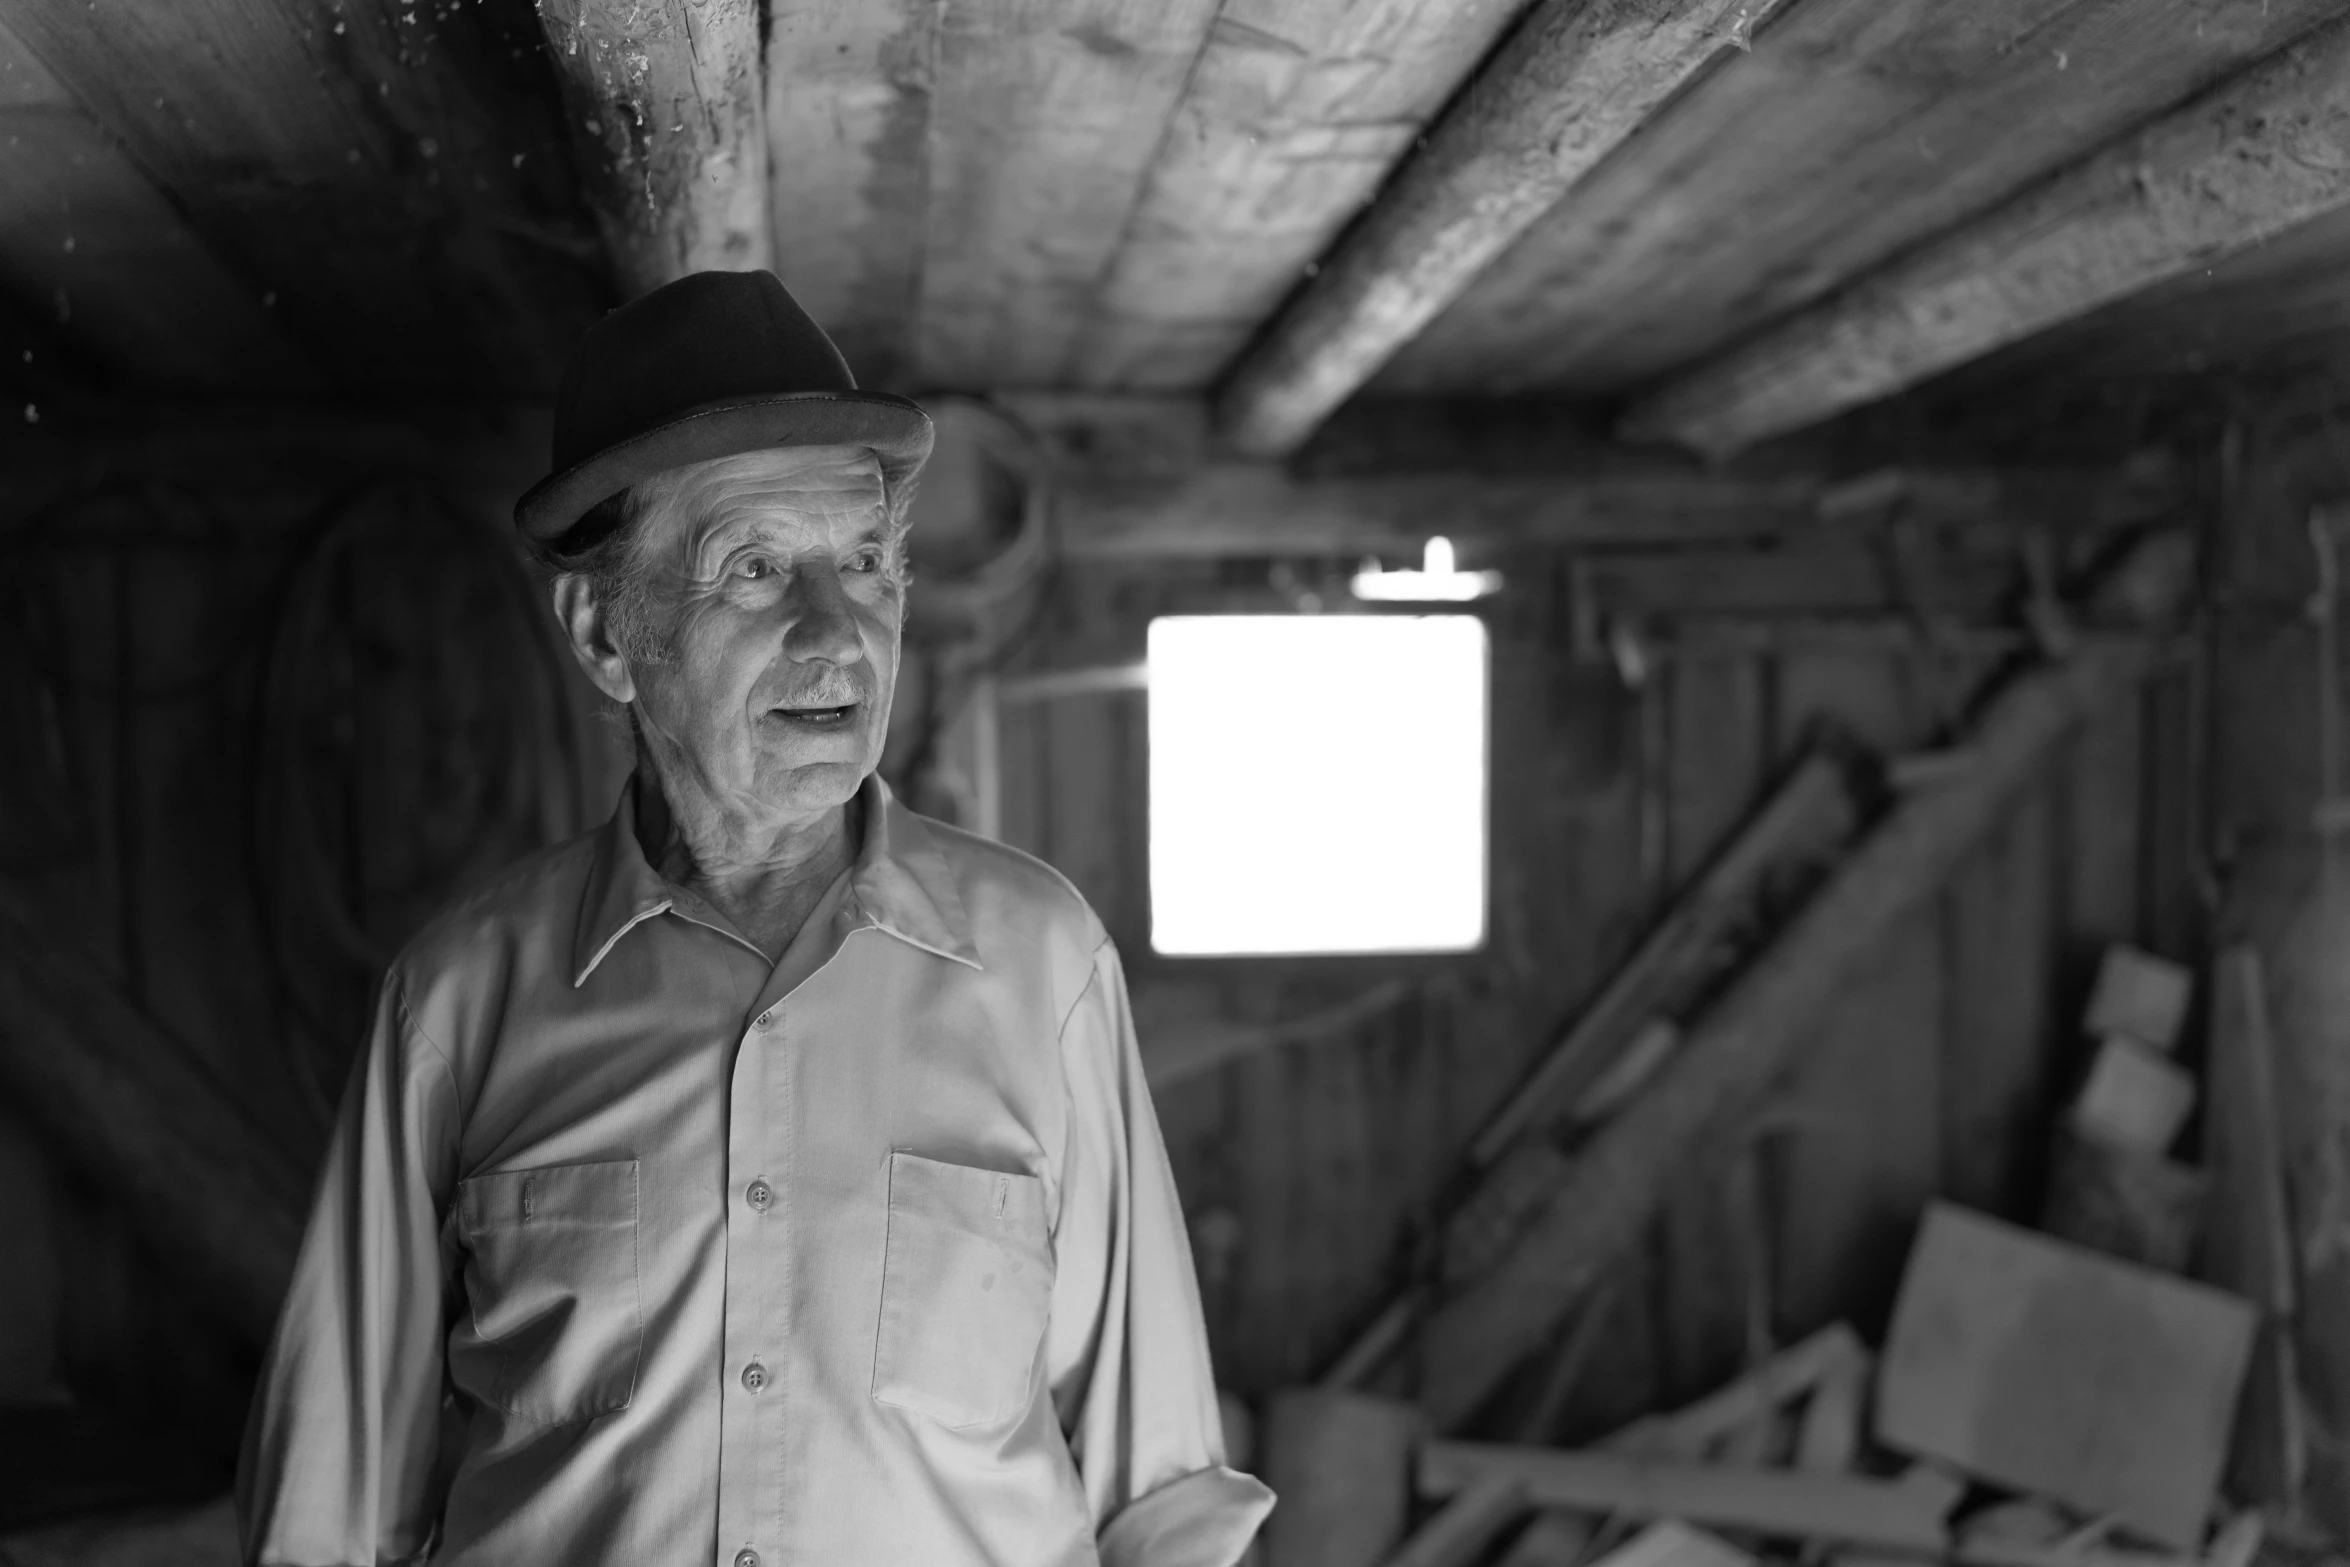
x,y
607,546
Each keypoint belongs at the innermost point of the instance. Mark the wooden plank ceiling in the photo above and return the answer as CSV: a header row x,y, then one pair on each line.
x,y
1270,204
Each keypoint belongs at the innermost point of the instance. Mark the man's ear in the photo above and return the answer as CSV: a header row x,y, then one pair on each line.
x,y
590,635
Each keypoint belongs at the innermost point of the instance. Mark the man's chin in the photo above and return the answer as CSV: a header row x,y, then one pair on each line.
x,y
804,782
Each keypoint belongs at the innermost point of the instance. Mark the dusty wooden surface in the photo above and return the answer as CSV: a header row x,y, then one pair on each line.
x,y
2283,881
1124,196
390,182
2252,157
1044,120
1569,85
107,261
848,102
1855,129
1293,116
667,105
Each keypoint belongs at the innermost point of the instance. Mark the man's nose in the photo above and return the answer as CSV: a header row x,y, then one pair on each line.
x,y
822,623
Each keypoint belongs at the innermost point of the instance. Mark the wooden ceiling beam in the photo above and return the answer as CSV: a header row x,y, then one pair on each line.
x,y
1853,131
1254,509
667,102
2247,160
1139,478
1567,87
1295,112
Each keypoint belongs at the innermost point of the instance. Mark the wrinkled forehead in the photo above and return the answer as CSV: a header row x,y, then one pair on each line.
x,y
799,488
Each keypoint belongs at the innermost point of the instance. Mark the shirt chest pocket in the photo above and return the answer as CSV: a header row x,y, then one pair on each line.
x,y
551,1275
966,1288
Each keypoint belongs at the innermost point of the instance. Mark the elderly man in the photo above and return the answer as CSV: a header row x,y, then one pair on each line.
x,y
766,1177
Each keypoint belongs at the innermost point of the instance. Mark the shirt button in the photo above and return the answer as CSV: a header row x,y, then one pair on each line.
x,y
754,1376
759,1194
764,1021
746,1557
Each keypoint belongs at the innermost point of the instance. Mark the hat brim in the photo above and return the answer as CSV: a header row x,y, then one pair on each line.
x,y
896,429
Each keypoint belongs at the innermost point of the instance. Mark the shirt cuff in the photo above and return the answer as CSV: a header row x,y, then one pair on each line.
x,y
1204,1519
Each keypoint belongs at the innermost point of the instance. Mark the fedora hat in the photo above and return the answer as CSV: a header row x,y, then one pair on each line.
x,y
712,365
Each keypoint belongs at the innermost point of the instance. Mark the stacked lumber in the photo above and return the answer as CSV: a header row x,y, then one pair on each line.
x,y
2064,1399
2115,1185
1685,1044
2037,1404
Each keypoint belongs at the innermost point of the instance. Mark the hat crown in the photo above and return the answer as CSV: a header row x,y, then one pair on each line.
x,y
706,338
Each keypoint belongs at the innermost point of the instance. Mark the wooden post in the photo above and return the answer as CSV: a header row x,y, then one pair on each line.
x,y
129,1107
1760,1026
1575,79
668,108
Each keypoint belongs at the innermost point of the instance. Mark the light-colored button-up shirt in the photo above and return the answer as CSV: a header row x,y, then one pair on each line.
x,y
636,1248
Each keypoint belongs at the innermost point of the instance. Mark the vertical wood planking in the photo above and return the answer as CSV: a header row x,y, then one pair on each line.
x,y
1999,938
1084,758
1573,890
2099,793
2171,901
1720,746
32,1283
1859,1122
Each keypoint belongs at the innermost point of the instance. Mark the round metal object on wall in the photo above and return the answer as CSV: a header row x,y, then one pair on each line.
x,y
981,529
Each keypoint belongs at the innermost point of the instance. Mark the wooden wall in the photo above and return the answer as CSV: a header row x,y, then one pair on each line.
x,y
1309,1169
152,770
2283,472
263,713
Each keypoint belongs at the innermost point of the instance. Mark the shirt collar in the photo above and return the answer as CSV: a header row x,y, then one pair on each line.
x,y
901,883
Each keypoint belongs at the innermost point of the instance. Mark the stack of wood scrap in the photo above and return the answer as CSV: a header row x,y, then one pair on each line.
x,y
2113,1184
2036,1404
1685,1044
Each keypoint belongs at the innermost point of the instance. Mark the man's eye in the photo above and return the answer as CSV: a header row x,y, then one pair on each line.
x,y
754,568
865,561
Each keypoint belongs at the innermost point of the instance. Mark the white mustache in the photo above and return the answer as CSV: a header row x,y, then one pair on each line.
x,y
842,690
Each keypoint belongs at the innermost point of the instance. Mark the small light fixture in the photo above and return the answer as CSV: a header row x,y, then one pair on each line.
x,y
1437,579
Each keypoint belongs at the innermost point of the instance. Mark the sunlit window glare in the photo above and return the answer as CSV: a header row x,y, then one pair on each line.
x,y
1317,783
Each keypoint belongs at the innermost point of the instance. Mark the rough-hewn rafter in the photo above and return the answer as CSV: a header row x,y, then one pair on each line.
x,y
1572,82
669,102
2262,152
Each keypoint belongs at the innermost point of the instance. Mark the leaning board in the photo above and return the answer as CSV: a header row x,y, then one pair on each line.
x,y
2058,1371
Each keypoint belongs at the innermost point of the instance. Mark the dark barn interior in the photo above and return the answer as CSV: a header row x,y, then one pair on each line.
x,y
1913,444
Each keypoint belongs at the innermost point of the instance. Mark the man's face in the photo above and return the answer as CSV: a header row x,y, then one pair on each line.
x,y
779,598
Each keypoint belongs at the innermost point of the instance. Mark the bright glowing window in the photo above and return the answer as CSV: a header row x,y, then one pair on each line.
x,y
1317,783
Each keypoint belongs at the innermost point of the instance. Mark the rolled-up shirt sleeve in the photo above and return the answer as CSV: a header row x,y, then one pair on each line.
x,y
342,1454
1127,1349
